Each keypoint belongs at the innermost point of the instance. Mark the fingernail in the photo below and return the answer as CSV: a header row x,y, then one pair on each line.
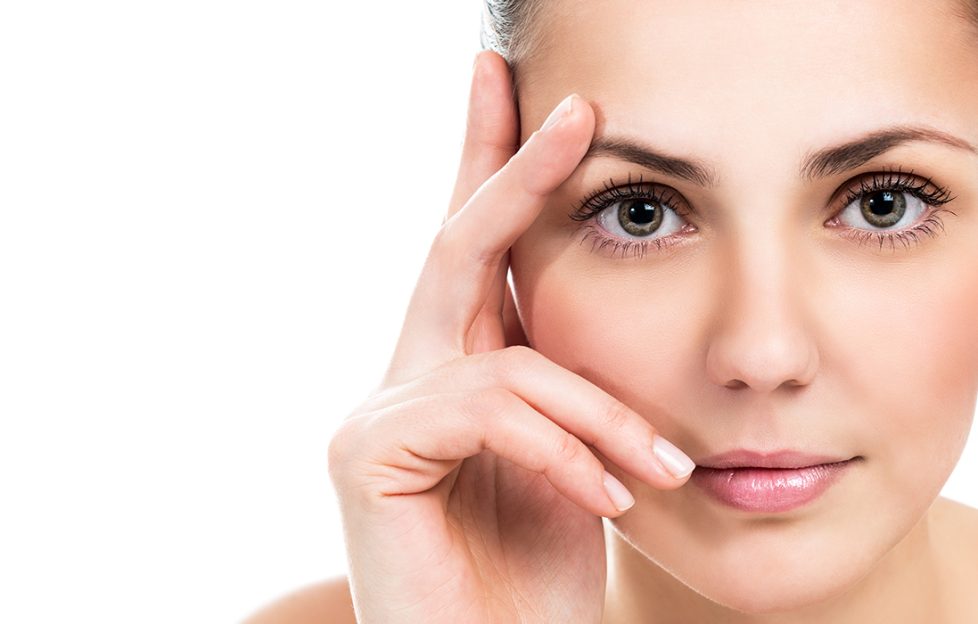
x,y
617,492
675,461
562,111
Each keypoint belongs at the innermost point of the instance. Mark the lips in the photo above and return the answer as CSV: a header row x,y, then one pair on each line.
x,y
769,482
745,458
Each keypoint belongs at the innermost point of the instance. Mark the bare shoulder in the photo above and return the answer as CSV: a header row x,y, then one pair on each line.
x,y
955,533
325,601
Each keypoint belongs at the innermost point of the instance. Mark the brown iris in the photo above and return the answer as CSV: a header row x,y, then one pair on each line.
x,y
640,217
883,208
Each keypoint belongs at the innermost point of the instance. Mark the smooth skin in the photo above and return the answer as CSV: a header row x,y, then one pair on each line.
x,y
767,325
764,330
472,482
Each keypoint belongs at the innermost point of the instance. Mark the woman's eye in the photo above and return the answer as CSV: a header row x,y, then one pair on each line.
x,y
883,209
891,207
640,218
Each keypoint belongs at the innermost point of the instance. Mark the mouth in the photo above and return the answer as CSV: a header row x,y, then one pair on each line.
x,y
769,482
745,458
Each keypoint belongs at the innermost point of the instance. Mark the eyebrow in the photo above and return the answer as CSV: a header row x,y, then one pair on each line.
x,y
819,164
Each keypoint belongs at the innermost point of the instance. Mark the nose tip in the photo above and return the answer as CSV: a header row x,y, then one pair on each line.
x,y
762,384
762,354
766,301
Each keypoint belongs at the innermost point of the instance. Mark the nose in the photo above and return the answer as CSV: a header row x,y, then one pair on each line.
x,y
760,336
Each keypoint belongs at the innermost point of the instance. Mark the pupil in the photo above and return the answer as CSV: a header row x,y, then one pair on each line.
x,y
640,211
881,207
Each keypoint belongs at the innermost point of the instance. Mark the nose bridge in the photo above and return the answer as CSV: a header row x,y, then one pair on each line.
x,y
760,337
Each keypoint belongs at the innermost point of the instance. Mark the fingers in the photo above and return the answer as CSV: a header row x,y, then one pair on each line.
x,y
491,138
571,401
463,262
510,200
492,127
409,448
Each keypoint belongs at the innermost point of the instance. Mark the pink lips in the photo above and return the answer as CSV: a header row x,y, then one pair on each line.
x,y
769,483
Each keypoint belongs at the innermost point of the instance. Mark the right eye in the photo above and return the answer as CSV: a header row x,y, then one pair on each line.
x,y
633,214
640,217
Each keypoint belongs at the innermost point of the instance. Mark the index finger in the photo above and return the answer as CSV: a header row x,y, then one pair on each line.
x,y
508,202
463,262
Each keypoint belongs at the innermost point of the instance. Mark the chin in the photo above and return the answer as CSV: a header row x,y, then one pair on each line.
x,y
784,590
770,566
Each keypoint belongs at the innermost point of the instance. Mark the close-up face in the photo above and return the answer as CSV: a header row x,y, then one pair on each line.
x,y
748,286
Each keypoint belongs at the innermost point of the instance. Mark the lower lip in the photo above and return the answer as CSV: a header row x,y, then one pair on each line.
x,y
769,490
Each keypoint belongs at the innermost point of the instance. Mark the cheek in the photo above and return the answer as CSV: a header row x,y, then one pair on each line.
x,y
898,350
897,344
607,329
911,367
626,328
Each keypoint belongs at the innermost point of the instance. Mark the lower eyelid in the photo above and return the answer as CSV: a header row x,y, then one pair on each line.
x,y
930,225
600,241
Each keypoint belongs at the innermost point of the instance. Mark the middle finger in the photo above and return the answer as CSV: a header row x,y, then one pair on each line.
x,y
575,403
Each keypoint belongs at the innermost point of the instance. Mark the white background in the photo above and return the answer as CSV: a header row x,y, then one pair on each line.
x,y
212,215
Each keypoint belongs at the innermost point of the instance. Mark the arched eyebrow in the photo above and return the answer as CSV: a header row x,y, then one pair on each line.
x,y
816,164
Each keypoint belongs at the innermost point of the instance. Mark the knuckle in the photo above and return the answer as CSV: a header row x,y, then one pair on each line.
x,y
443,240
522,353
484,410
569,449
616,417
447,245
347,442
450,247
484,254
510,361
488,403
338,450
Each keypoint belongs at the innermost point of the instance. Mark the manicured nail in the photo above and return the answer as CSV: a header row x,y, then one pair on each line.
x,y
563,110
675,461
617,492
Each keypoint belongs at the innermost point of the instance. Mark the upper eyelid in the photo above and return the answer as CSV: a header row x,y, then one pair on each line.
x,y
853,186
908,182
612,189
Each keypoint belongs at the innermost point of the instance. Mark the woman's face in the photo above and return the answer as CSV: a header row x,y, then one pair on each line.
x,y
771,314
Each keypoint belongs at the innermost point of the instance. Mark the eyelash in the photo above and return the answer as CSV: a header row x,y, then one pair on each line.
x,y
932,195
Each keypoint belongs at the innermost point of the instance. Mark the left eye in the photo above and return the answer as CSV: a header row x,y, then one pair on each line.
x,y
883,209
640,216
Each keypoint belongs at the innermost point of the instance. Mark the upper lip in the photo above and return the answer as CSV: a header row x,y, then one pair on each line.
x,y
745,458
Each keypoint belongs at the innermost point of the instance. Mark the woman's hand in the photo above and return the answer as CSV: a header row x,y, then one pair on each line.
x,y
469,485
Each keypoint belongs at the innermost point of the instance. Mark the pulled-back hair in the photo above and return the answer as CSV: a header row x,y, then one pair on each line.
x,y
508,28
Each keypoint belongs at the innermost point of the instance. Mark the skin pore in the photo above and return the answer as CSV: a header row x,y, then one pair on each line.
x,y
773,316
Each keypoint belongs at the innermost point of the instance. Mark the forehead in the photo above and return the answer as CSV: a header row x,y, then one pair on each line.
x,y
784,76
